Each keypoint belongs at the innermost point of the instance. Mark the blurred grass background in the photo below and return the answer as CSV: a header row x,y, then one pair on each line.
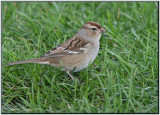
x,y
122,79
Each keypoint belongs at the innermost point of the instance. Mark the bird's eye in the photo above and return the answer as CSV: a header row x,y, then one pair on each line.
x,y
93,28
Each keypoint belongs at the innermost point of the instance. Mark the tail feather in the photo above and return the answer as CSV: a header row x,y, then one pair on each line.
x,y
37,60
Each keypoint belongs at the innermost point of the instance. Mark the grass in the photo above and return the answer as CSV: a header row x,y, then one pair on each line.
x,y
122,79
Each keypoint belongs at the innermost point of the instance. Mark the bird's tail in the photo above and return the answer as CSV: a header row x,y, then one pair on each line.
x,y
36,60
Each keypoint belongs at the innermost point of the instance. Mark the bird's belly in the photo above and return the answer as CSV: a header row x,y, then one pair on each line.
x,y
79,61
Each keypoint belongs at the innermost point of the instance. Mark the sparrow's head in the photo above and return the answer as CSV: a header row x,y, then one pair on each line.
x,y
92,30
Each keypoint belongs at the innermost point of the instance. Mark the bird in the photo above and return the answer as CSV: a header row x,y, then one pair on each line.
x,y
76,53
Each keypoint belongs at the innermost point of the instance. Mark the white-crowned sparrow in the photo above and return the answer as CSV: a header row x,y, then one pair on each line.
x,y
76,53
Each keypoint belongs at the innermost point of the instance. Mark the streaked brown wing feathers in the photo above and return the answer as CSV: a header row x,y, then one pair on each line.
x,y
70,47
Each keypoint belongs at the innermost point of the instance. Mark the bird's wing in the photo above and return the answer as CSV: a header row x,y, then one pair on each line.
x,y
72,46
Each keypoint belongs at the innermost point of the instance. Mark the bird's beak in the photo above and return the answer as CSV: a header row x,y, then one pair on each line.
x,y
102,30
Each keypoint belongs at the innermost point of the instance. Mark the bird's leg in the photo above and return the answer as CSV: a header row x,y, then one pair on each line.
x,y
68,72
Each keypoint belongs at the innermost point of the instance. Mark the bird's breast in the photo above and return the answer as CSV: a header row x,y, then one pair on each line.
x,y
88,58
93,52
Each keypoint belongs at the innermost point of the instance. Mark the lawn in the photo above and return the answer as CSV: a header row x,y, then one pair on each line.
x,y
122,79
